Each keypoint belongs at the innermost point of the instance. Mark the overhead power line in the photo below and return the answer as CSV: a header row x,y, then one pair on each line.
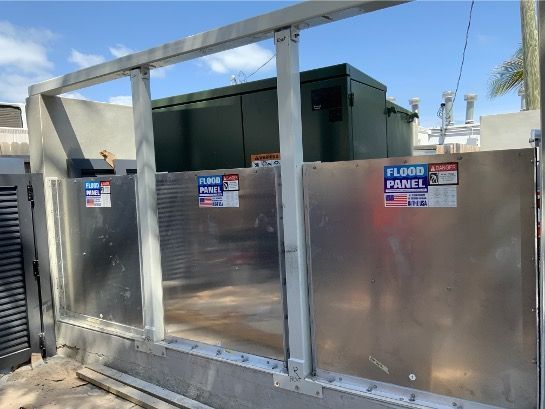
x,y
463,52
441,111
241,77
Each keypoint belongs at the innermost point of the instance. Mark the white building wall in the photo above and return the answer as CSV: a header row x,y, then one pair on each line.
x,y
64,128
13,141
508,131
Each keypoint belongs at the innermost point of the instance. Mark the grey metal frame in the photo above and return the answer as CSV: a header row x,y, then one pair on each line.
x,y
284,25
148,226
541,214
303,15
281,23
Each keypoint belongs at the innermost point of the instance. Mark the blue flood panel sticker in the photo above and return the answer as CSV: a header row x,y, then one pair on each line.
x,y
92,185
92,192
97,194
218,190
211,185
406,178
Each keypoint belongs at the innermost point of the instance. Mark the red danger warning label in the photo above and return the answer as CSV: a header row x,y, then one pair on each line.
x,y
443,174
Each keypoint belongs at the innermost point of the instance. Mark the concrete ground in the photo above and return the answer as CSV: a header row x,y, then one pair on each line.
x,y
54,384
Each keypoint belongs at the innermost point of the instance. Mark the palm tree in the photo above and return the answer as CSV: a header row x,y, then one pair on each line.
x,y
522,69
507,76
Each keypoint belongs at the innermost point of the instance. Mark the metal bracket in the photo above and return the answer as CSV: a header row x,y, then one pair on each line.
x,y
149,347
294,34
535,137
299,385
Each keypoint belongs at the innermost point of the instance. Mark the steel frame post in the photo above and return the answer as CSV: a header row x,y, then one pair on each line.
x,y
148,227
291,155
541,181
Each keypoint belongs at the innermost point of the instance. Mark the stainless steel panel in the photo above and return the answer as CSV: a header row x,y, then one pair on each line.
x,y
221,266
99,253
441,298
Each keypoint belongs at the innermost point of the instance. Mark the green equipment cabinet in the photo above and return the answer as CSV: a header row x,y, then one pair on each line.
x,y
344,116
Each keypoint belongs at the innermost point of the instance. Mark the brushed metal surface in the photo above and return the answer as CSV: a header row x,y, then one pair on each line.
x,y
100,261
221,266
435,299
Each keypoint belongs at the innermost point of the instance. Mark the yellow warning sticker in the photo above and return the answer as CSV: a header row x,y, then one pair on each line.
x,y
264,160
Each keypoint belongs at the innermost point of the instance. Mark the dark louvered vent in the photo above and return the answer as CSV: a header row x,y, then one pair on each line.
x,y
10,116
14,334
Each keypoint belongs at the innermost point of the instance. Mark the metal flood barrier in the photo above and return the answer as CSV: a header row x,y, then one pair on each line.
x,y
97,251
436,291
222,270
422,271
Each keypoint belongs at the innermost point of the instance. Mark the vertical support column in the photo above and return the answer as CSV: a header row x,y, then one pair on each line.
x,y
148,228
291,154
541,178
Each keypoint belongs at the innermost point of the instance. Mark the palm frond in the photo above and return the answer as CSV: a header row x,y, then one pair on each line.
x,y
507,76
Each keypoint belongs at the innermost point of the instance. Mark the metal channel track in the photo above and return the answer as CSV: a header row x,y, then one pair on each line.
x,y
14,332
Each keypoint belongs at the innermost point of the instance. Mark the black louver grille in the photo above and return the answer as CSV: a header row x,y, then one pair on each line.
x,y
14,334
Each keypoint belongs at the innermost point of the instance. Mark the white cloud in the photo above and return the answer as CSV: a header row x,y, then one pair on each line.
x,y
75,95
14,87
160,72
119,50
85,60
121,100
23,59
247,59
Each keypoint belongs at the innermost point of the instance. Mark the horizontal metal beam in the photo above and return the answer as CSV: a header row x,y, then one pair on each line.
x,y
303,15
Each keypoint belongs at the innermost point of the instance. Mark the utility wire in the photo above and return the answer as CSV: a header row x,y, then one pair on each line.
x,y
464,52
260,67
461,64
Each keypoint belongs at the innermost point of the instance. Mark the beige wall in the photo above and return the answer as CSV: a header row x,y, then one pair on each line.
x,y
62,128
13,141
508,131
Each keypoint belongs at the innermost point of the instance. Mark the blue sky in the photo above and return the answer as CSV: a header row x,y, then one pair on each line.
x,y
415,48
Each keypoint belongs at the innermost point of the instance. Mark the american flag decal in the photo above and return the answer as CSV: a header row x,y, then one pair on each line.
x,y
396,200
205,202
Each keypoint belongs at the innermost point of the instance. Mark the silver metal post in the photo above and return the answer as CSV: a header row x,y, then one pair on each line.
x,y
541,177
150,255
291,154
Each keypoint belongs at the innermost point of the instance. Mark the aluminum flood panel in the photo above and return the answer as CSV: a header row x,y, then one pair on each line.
x,y
98,253
435,299
221,266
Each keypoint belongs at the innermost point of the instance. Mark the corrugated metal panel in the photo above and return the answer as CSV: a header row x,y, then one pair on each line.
x,y
14,334
10,116
221,266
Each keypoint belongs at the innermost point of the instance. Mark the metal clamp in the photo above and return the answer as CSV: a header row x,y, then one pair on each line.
x,y
535,137
149,347
298,384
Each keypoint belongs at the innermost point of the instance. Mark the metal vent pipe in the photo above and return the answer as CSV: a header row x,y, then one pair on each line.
x,y
470,107
448,97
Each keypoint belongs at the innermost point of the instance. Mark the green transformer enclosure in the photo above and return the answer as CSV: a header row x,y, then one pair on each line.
x,y
344,117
